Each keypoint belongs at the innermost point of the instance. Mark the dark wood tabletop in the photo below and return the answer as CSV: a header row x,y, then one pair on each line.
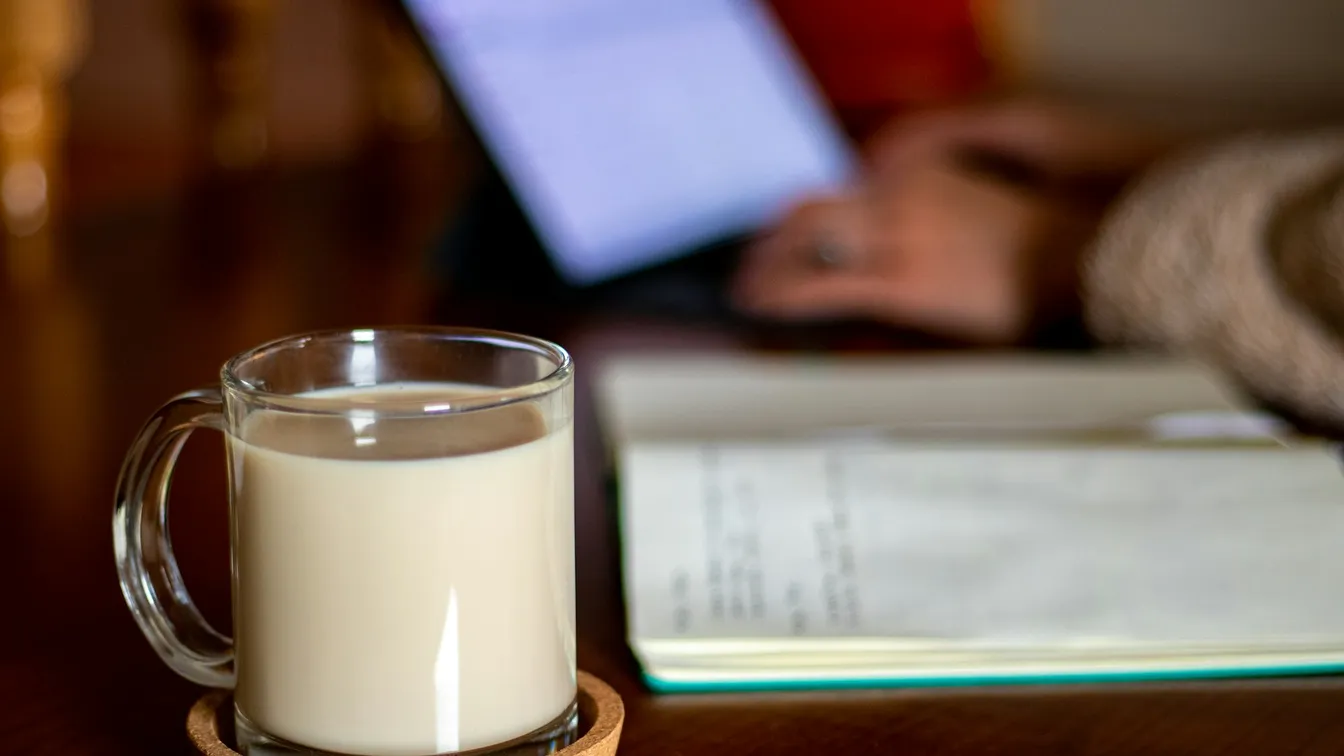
x,y
128,305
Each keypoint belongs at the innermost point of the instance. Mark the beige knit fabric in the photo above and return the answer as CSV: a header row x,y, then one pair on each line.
x,y
1235,254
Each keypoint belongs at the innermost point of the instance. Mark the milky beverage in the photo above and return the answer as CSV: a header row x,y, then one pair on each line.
x,y
404,586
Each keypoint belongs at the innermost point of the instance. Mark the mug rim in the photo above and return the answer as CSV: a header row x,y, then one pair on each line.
x,y
257,396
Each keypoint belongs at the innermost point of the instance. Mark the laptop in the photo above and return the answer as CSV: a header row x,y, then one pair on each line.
x,y
632,144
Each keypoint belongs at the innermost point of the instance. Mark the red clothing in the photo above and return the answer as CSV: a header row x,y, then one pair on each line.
x,y
876,57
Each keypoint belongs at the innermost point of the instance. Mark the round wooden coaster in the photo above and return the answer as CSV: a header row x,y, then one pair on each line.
x,y
598,704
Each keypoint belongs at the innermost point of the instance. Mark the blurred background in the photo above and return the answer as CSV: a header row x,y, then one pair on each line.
x,y
118,107
115,107
125,99
112,102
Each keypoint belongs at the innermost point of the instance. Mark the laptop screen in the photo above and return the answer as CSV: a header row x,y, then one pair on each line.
x,y
633,131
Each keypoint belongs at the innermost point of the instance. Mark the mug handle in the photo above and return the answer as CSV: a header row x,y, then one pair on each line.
x,y
146,567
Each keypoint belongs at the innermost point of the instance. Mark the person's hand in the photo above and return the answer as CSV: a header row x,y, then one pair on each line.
x,y
937,248
1054,142
929,240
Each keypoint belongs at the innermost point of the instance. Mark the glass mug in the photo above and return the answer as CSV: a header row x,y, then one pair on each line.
x,y
401,525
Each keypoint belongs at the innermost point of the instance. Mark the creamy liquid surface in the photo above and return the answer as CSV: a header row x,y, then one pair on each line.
x,y
415,605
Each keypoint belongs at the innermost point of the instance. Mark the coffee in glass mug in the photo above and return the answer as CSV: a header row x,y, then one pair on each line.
x,y
401,522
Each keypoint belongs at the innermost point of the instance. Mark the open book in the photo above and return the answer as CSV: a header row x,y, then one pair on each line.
x,y
804,523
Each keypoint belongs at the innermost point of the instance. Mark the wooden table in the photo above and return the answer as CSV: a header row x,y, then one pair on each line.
x,y
138,304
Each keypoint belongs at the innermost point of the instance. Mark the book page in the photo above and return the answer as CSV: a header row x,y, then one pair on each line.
x,y
983,544
696,397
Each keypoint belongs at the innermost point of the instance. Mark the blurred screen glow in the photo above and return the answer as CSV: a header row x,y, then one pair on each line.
x,y
632,131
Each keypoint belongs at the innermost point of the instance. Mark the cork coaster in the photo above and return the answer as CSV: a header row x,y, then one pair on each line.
x,y
598,704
